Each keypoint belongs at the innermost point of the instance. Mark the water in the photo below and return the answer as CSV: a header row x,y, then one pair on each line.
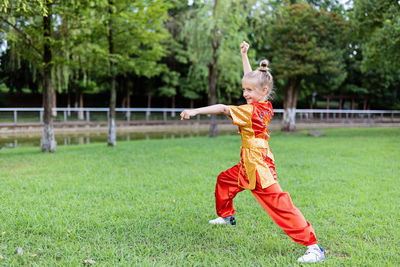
x,y
12,141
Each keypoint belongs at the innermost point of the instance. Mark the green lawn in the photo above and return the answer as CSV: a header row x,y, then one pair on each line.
x,y
147,203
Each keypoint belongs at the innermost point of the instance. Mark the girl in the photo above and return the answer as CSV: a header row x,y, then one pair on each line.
x,y
256,170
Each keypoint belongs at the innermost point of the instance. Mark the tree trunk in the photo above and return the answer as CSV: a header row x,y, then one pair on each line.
x,y
149,96
112,139
69,98
54,100
173,106
289,105
80,112
212,75
327,106
148,104
212,83
352,107
48,143
191,103
128,101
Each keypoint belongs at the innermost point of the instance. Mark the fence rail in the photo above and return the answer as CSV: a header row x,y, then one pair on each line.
x,y
66,115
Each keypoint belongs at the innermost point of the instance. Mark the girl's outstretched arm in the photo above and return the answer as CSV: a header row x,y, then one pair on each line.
x,y
243,50
214,109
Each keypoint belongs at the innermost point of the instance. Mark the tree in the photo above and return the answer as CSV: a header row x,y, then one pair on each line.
x,y
35,44
211,33
49,48
175,77
131,37
378,46
17,73
305,41
379,30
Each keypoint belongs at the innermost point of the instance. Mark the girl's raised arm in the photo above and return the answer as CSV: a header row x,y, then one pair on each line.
x,y
243,50
214,109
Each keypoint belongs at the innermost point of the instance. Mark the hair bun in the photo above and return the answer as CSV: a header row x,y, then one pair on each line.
x,y
263,65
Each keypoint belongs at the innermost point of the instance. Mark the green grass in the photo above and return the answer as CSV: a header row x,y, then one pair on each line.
x,y
147,203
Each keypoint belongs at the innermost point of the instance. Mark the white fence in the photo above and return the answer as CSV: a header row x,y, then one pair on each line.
x,y
91,115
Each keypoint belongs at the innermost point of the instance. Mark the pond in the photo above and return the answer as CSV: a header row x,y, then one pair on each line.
x,y
12,141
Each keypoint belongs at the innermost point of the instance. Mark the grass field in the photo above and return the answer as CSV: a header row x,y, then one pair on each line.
x,y
147,203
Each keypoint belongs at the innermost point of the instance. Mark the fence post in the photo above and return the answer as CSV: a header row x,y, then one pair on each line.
x,y
165,115
87,116
41,116
15,117
147,114
65,116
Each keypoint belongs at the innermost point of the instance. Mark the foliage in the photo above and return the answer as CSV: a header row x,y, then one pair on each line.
x,y
165,48
25,38
139,35
22,5
212,33
376,47
379,24
305,41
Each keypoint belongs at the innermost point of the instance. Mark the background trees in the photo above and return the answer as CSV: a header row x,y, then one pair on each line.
x,y
179,53
305,42
213,37
131,36
29,28
379,43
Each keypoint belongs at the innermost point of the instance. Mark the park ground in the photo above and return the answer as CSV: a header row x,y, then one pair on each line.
x,y
148,202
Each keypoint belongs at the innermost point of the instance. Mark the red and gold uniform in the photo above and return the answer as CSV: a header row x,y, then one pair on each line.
x,y
256,172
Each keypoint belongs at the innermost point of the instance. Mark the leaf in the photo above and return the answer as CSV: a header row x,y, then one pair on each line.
x,y
89,261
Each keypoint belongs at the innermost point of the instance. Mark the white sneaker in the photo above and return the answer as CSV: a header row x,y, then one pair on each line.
x,y
313,255
221,220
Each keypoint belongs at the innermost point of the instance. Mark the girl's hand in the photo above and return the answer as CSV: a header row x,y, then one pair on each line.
x,y
244,47
187,113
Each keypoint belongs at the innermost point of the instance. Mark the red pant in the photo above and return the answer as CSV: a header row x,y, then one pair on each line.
x,y
276,203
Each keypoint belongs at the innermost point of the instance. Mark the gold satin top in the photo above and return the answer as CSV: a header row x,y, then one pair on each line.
x,y
256,156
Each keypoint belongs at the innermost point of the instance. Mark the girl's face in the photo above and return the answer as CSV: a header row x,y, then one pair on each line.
x,y
251,92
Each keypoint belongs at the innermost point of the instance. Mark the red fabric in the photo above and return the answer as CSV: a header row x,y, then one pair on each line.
x,y
276,203
262,115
